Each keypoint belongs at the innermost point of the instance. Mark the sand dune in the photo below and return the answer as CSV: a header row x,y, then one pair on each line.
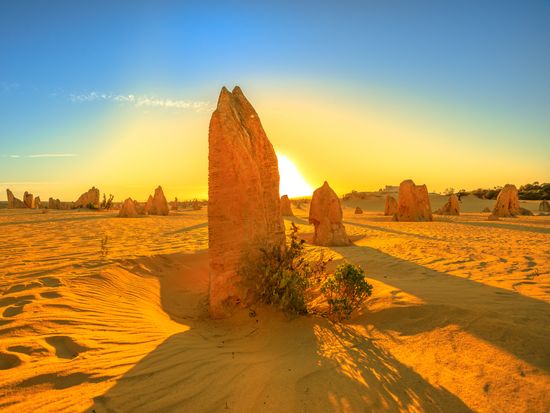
x,y
109,315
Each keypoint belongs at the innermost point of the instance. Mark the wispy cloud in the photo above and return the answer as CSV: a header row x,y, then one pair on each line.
x,y
142,101
25,183
42,155
53,155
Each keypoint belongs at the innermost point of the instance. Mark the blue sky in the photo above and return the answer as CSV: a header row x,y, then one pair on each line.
x,y
67,69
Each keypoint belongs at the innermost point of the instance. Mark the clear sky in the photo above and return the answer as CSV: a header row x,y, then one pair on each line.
x,y
360,93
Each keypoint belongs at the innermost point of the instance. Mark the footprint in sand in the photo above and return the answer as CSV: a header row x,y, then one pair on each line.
x,y
15,309
28,350
50,294
65,346
50,282
22,287
9,361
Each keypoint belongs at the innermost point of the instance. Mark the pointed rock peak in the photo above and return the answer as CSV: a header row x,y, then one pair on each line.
x,y
325,183
225,98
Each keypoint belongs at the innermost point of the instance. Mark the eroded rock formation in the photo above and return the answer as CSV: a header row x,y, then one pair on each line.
x,y
28,200
325,213
88,199
391,206
14,202
507,204
452,207
157,204
244,211
286,209
413,203
358,210
37,202
544,206
128,209
54,203
148,205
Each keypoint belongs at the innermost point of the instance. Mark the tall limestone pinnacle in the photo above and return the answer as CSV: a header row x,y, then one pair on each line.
x,y
243,196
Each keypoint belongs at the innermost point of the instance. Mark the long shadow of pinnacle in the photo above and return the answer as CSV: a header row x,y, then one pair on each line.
x,y
518,324
249,364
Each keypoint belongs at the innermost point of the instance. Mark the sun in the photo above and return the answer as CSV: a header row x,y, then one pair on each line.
x,y
292,182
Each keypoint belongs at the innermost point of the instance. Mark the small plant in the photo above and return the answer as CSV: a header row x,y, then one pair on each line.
x,y
107,203
345,291
281,276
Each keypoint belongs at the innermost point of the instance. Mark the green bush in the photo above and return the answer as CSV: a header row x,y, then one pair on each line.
x,y
285,277
281,276
345,291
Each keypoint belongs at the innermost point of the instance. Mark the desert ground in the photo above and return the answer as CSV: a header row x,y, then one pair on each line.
x,y
102,314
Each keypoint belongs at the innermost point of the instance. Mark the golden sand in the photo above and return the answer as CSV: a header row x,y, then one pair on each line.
x,y
106,314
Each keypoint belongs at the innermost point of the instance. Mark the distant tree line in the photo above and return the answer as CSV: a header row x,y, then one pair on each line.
x,y
535,190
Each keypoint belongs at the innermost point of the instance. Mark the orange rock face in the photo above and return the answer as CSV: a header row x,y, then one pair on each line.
x,y
286,209
37,202
507,204
14,202
148,205
325,213
452,207
157,205
88,198
244,211
391,205
128,209
413,203
54,203
28,200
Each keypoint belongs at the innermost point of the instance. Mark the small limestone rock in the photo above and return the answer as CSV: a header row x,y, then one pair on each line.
x,y
358,210
413,203
37,202
452,207
54,203
525,212
88,199
148,205
286,209
544,206
391,206
128,209
507,204
157,204
325,213
14,202
486,209
28,200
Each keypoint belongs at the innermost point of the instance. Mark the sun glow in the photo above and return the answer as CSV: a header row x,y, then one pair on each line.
x,y
292,182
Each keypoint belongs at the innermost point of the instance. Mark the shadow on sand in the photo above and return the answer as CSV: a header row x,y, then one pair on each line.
x,y
263,363
513,227
516,323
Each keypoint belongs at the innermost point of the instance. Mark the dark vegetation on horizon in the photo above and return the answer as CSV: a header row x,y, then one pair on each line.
x,y
534,191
